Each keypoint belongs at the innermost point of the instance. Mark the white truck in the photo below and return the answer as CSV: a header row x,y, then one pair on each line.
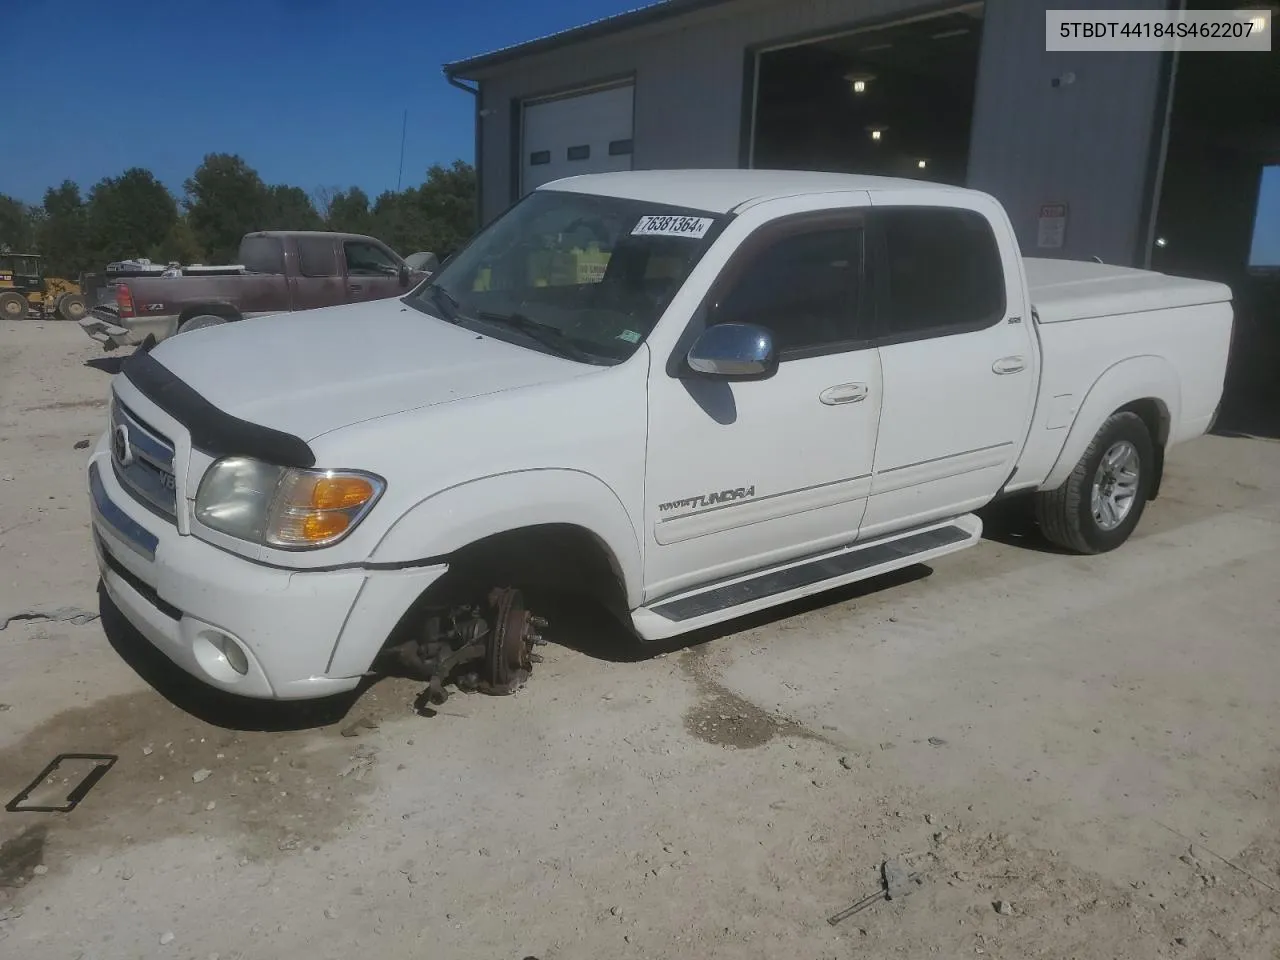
x,y
686,395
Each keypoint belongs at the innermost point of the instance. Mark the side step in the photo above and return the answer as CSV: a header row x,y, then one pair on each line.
x,y
761,589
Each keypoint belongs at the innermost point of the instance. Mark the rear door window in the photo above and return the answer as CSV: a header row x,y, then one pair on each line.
x,y
317,257
940,272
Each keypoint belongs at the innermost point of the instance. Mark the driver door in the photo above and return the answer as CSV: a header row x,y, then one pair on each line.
x,y
743,475
373,271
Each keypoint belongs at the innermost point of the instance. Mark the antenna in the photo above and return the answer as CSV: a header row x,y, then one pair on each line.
x,y
404,127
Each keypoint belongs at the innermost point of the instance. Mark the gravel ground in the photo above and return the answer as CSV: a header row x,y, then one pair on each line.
x,y
1077,756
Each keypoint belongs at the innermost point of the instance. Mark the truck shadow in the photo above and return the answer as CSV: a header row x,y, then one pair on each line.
x,y
1012,522
206,703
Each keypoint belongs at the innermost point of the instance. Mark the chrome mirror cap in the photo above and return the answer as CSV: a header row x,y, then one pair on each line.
x,y
739,351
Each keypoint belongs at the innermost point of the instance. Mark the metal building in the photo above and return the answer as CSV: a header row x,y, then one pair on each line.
x,y
959,92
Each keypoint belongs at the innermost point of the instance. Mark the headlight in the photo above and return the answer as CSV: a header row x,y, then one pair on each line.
x,y
281,506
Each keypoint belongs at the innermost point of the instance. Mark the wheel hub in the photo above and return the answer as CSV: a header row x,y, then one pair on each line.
x,y
1115,485
485,647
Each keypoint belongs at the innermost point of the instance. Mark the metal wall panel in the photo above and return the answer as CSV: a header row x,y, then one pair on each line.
x,y
1086,144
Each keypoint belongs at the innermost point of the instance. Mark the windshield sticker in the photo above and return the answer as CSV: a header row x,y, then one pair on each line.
x,y
693,227
630,336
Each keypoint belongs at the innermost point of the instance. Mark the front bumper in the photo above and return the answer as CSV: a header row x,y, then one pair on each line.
x,y
302,634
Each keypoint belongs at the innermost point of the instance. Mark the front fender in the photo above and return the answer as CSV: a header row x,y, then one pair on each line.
x,y
1138,378
452,518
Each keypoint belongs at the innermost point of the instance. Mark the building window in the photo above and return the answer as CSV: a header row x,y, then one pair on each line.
x,y
539,157
579,153
619,148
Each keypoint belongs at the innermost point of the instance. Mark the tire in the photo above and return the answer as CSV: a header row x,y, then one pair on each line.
x,y
1070,517
200,322
72,307
13,306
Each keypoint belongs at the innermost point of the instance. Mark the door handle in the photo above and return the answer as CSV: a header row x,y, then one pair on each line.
x,y
1009,365
354,287
844,393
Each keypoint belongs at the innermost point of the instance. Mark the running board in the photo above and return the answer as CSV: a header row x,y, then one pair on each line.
x,y
761,589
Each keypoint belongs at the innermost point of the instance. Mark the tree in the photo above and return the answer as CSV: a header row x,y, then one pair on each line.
x,y
289,208
17,225
349,212
439,215
179,245
322,199
63,236
449,199
225,200
128,215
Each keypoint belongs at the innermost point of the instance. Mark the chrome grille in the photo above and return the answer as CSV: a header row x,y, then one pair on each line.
x,y
143,461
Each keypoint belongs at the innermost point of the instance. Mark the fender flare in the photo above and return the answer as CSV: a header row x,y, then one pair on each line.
x,y
1147,377
457,516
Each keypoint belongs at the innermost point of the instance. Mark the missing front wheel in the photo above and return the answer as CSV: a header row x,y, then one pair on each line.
x,y
485,647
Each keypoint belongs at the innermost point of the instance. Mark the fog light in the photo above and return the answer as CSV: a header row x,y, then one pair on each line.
x,y
235,656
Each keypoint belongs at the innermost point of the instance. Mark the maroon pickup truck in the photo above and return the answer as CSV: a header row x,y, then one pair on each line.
x,y
278,272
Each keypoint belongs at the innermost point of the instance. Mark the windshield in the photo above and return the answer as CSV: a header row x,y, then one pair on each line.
x,y
581,276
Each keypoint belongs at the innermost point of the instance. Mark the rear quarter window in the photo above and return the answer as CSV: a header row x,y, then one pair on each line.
x,y
262,254
942,272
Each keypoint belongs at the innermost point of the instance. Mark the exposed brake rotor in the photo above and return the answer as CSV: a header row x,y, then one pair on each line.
x,y
487,647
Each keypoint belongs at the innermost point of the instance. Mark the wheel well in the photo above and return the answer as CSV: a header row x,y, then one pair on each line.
x,y
1156,417
208,309
557,557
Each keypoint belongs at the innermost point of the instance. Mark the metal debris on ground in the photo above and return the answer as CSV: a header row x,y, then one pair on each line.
x,y
898,882
485,647
362,762
76,615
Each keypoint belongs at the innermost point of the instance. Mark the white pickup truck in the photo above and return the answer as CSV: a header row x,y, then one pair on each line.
x,y
687,395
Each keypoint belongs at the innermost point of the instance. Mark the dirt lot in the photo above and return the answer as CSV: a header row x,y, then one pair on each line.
x,y
1090,743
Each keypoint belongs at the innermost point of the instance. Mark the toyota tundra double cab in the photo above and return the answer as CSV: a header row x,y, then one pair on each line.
x,y
685,395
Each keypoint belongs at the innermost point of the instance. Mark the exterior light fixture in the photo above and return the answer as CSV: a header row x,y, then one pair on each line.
x,y
877,132
1161,242
922,164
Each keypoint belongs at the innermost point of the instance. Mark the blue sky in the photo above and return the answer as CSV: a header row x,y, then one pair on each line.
x,y
1266,229
309,92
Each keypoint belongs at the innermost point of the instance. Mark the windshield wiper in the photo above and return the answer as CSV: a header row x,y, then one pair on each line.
x,y
544,333
444,301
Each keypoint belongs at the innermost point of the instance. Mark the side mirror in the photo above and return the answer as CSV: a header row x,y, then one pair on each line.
x,y
404,275
734,351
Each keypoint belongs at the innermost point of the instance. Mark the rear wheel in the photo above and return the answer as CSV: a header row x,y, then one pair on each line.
x,y
1101,502
200,322
13,306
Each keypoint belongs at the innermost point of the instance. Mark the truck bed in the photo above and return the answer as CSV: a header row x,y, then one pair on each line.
x,y
1100,324
1063,290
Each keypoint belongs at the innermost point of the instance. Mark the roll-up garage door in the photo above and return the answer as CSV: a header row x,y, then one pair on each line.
x,y
575,134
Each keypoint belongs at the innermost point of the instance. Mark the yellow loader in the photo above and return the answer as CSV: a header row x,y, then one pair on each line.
x,y
26,292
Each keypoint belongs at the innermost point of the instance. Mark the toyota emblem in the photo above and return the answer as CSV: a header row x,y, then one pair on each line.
x,y
120,446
